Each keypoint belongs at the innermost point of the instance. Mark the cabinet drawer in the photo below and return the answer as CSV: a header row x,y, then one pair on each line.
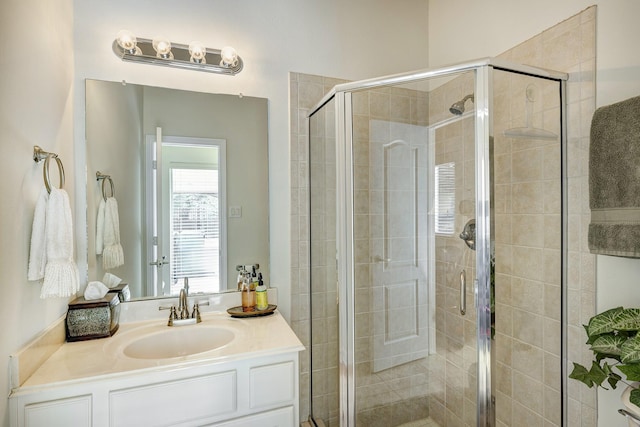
x,y
282,417
272,384
74,411
173,402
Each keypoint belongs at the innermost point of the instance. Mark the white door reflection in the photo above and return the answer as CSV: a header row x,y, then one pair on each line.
x,y
186,196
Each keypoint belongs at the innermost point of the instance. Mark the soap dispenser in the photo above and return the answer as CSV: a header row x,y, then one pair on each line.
x,y
248,294
261,294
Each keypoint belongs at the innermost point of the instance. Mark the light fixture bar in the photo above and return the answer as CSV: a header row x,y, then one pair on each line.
x,y
146,54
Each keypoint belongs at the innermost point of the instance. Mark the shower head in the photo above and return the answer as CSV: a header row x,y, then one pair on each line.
x,y
458,107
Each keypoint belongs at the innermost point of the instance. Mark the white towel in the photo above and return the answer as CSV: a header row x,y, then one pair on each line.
x,y
38,254
100,227
61,273
112,254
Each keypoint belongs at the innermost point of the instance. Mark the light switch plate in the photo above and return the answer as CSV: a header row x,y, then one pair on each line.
x,y
235,211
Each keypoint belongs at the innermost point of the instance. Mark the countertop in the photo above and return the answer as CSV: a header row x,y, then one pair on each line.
x,y
103,358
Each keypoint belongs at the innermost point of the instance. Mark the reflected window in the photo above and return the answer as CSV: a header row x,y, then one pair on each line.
x,y
195,226
445,198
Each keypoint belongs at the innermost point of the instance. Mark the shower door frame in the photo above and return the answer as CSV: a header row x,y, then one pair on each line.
x,y
483,70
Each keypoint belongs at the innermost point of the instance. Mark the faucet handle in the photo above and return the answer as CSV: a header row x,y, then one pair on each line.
x,y
173,315
196,311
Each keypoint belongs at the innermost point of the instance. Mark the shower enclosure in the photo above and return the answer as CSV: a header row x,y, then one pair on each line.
x,y
438,249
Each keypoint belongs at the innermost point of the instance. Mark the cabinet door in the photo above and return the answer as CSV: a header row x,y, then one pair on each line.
x,y
282,417
175,402
272,385
75,411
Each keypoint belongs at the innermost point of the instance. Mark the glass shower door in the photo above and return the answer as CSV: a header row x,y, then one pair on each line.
x,y
413,192
450,228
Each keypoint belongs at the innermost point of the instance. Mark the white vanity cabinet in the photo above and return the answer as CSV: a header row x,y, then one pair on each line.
x,y
251,380
245,392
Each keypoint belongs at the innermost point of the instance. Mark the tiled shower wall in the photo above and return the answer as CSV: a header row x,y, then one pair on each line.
x,y
569,47
305,91
528,255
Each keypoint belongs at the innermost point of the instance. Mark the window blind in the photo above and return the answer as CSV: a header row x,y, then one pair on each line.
x,y
445,197
195,223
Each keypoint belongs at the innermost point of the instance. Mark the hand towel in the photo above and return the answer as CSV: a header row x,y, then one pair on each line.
x,y
111,280
614,180
95,290
37,253
100,227
112,254
61,272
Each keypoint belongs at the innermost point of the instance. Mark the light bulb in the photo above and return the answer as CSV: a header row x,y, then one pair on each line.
x,y
162,47
198,53
127,41
229,57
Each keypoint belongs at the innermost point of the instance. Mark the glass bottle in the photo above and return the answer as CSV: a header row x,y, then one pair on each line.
x,y
248,295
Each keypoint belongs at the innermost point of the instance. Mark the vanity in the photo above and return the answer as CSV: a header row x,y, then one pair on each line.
x,y
223,371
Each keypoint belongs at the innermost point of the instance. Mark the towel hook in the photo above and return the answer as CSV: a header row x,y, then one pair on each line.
x,y
104,178
38,155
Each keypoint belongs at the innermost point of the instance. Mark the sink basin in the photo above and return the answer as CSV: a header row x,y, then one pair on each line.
x,y
178,341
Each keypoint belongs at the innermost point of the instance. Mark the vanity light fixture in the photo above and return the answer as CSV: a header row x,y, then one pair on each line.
x,y
128,42
161,51
228,57
162,47
198,53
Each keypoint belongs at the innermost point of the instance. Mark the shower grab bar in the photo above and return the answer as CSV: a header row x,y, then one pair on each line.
x,y
463,292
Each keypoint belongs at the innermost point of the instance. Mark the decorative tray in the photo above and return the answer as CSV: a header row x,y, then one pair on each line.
x,y
237,311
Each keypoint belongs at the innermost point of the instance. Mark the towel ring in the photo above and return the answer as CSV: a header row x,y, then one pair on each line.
x,y
47,179
104,188
38,155
104,178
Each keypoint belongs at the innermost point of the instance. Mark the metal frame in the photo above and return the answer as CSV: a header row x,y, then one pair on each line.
x,y
483,69
345,259
483,102
564,215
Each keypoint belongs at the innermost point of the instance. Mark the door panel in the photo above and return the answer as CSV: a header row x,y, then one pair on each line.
x,y
399,285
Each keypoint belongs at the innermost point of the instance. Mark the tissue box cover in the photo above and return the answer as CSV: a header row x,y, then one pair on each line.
x,y
123,292
93,319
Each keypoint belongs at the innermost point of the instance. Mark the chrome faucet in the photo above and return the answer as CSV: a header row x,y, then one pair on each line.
x,y
181,316
183,309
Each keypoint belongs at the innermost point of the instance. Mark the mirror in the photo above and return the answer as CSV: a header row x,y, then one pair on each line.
x,y
190,177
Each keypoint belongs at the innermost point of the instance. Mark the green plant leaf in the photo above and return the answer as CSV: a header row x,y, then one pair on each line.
x,y
634,397
595,376
613,379
632,372
603,323
630,350
628,320
608,344
590,339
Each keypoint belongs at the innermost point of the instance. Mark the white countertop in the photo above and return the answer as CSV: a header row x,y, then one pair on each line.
x,y
103,358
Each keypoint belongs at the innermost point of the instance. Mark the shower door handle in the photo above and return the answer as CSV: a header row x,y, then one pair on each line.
x,y
463,292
